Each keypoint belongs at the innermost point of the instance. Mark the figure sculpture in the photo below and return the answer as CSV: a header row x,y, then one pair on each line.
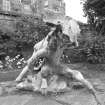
x,y
50,67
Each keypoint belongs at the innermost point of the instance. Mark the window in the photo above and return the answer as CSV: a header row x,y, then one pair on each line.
x,y
6,5
46,4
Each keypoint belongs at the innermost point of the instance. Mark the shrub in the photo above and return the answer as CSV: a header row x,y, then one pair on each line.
x,y
21,34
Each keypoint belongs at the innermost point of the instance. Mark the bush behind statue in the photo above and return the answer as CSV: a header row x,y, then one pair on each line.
x,y
23,33
90,51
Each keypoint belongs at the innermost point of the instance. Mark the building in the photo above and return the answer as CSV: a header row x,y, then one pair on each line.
x,y
49,9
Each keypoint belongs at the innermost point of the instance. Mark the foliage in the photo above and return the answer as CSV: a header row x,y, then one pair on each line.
x,y
94,10
90,51
20,34
94,50
92,47
12,63
23,33
30,30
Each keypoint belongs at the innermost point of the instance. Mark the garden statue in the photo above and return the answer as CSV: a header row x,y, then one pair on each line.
x,y
48,49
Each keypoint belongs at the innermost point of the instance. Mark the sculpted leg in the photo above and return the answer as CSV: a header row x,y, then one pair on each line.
x,y
79,77
30,62
22,74
24,71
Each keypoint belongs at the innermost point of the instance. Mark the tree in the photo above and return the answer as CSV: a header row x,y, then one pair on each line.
x,y
95,12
